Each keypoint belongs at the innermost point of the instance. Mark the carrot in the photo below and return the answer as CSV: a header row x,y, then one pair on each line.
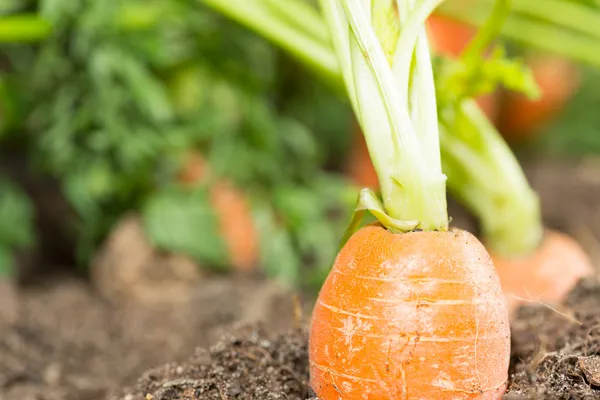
x,y
232,209
522,118
546,275
396,316
410,309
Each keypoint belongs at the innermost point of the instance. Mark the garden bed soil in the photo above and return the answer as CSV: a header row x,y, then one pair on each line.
x,y
66,341
555,355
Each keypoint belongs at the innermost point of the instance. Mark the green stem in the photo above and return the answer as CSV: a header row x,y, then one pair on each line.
x,y
305,17
490,30
486,177
423,107
411,188
255,15
553,38
23,28
563,13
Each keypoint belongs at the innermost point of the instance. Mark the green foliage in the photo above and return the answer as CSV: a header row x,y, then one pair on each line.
x,y
472,77
576,130
16,224
110,100
182,220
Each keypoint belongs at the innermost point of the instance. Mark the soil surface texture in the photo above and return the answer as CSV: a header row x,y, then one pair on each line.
x,y
555,355
67,343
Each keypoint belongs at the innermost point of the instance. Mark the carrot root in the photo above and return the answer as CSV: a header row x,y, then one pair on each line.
x,y
410,316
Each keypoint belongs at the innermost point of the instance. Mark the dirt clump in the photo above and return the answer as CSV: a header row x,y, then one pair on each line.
x,y
555,356
556,352
68,343
249,365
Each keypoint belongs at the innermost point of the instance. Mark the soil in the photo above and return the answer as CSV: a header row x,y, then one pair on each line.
x,y
555,355
68,342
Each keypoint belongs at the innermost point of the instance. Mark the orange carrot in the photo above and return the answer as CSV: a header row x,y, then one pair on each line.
x,y
547,275
399,314
232,209
410,309
522,118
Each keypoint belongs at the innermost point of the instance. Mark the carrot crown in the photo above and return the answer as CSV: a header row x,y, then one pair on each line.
x,y
394,101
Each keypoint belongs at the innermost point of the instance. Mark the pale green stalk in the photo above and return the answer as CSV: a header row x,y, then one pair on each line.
x,y
487,178
423,107
482,170
411,188
304,16
576,44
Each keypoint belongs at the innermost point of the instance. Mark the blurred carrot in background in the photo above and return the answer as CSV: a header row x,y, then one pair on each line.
x,y
449,38
233,212
558,79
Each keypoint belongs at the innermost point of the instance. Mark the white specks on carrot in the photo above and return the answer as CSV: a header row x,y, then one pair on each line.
x,y
348,329
443,381
346,387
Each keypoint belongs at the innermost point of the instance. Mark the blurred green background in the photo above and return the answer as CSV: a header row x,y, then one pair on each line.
x,y
102,103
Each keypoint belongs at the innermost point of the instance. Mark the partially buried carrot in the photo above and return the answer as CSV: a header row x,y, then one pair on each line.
x,y
411,309
414,315
232,209
545,275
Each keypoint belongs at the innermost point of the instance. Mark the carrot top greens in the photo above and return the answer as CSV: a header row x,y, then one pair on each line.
x,y
482,171
396,108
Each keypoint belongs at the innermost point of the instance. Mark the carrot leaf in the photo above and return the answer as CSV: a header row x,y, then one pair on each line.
x,y
182,220
368,201
459,80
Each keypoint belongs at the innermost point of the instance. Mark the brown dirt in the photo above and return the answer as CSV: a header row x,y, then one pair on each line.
x,y
69,343
250,365
555,355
